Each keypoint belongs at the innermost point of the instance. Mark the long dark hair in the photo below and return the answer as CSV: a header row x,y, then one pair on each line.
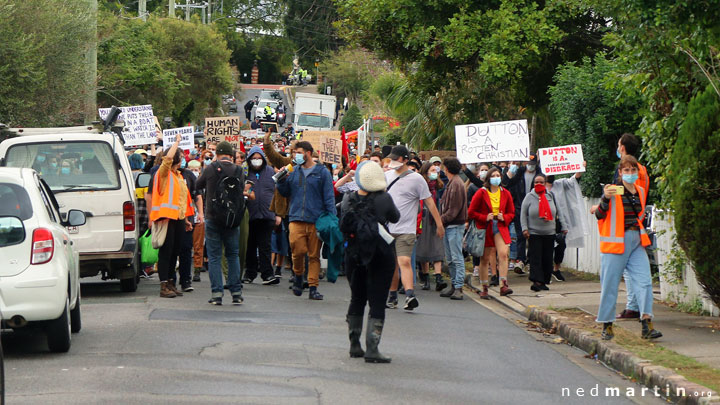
x,y
489,174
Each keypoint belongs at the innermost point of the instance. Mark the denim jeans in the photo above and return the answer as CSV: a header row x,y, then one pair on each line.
x,y
513,242
215,237
634,261
453,254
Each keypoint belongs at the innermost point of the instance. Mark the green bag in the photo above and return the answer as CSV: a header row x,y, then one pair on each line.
x,y
148,255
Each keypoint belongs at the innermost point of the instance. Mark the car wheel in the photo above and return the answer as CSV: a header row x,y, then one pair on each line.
x,y
58,331
131,284
75,321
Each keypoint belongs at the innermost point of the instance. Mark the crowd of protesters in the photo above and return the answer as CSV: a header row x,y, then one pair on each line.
x,y
385,221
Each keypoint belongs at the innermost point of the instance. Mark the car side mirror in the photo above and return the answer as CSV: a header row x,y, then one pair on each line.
x,y
75,218
142,180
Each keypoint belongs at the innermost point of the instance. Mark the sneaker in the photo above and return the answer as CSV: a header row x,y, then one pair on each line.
x,y
484,294
237,299
536,287
278,272
272,280
401,290
196,278
557,275
215,301
629,314
187,287
519,268
391,303
410,303
544,287
457,294
494,281
247,280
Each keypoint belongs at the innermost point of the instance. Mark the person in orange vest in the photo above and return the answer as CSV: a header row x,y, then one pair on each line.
x,y
171,208
622,243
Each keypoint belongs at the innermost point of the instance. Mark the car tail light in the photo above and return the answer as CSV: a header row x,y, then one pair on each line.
x,y
129,215
43,246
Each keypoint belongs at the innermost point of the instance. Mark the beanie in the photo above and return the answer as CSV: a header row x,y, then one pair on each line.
x,y
370,177
225,148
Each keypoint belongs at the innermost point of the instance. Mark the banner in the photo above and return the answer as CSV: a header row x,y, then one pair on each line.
x,y
330,150
425,155
493,142
362,138
561,159
186,140
218,129
139,124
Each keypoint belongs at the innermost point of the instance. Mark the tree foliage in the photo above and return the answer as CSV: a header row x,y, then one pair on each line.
x,y
695,187
350,71
43,70
352,119
309,24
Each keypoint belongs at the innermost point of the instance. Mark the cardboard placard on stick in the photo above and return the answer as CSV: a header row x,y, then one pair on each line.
x,y
219,129
493,142
561,159
330,150
139,123
315,137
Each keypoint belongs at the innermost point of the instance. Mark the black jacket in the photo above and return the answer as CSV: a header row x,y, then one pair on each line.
x,y
209,178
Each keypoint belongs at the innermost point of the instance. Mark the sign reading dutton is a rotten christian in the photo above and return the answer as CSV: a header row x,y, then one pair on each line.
x,y
493,142
139,124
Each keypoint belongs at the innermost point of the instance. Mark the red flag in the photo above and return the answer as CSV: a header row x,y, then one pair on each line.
x,y
242,146
345,151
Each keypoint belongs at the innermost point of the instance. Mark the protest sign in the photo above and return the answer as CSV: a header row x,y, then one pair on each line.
x,y
442,154
330,150
315,137
139,124
561,159
493,142
219,129
186,140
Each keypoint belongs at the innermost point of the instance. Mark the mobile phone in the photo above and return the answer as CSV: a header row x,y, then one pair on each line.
x,y
616,190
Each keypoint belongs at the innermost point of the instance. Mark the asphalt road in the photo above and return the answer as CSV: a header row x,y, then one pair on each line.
x,y
280,349
249,93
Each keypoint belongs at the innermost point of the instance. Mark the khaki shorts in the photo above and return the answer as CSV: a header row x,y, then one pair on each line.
x,y
404,244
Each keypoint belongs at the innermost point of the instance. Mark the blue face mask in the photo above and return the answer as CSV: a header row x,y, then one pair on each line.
x,y
53,164
193,152
182,163
299,158
65,170
495,181
432,176
41,158
513,169
208,162
630,178
617,152
334,166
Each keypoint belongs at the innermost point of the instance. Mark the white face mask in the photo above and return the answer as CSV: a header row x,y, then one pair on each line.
x,y
482,174
197,174
335,177
256,162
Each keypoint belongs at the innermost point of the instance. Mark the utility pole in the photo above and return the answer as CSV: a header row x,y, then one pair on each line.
x,y
171,9
209,10
142,9
187,10
91,63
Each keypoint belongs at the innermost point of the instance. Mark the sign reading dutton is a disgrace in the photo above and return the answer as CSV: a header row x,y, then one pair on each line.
x,y
493,142
186,140
218,129
139,124
330,150
561,159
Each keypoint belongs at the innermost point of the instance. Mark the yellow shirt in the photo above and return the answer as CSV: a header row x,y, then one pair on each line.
x,y
495,201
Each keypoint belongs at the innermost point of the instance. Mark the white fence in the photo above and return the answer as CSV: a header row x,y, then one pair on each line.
x,y
688,290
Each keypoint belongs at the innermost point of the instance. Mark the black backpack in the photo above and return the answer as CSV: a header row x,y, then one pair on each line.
x,y
228,204
360,226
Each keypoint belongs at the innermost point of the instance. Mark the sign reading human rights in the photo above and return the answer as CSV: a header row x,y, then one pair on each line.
x,y
186,140
139,124
493,142
561,159
218,129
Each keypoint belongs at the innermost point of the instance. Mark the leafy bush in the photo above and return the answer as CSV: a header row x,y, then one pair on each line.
x,y
695,188
352,119
587,111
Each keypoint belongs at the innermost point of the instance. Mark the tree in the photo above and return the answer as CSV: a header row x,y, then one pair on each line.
x,y
587,111
695,187
350,71
352,119
309,24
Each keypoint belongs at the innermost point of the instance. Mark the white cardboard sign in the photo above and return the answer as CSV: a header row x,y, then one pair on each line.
x,y
493,142
561,159
139,124
186,142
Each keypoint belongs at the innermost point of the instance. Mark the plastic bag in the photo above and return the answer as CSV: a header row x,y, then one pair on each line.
x,y
148,254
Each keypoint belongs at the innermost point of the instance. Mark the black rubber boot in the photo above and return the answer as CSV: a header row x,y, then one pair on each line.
x,y
373,334
425,279
355,324
440,283
648,332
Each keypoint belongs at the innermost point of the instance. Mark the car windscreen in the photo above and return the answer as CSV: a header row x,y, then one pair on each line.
x,y
272,104
318,121
69,166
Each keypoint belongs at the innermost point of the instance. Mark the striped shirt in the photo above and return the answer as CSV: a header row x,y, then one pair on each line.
x,y
631,206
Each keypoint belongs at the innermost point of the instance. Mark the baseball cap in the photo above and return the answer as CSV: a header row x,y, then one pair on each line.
x,y
141,152
399,151
435,159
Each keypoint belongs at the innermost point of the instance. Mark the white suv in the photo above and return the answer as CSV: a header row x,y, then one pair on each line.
x,y
87,170
39,276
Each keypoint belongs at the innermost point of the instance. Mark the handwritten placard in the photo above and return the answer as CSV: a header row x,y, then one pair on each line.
x,y
330,150
139,124
493,142
316,137
186,140
561,159
442,154
219,129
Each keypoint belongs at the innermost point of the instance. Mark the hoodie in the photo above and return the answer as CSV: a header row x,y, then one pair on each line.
x,y
264,187
209,178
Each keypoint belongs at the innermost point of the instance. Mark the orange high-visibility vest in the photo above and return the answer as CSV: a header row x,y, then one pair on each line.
x,y
612,227
167,205
643,179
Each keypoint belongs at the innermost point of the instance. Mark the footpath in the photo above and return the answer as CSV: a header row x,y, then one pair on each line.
x,y
686,359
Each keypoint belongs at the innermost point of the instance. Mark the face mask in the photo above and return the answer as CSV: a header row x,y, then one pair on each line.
x,y
395,164
334,166
256,162
53,164
513,169
299,158
335,177
483,174
531,168
208,162
617,152
193,152
630,178
539,188
495,181
182,163
432,176
41,158
65,170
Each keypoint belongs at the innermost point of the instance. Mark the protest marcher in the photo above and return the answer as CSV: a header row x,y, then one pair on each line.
x,y
310,190
492,208
369,258
540,218
186,246
225,206
623,240
262,220
519,180
453,207
407,190
430,248
477,182
199,228
279,204
169,212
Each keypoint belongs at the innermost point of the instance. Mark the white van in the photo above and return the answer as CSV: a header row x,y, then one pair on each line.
x,y
87,170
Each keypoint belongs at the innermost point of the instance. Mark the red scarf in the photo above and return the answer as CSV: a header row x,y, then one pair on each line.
x,y
544,206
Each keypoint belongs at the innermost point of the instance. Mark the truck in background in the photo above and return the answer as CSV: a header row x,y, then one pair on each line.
x,y
314,112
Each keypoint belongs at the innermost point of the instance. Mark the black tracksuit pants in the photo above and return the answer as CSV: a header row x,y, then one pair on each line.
x,y
170,250
540,257
259,249
370,284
